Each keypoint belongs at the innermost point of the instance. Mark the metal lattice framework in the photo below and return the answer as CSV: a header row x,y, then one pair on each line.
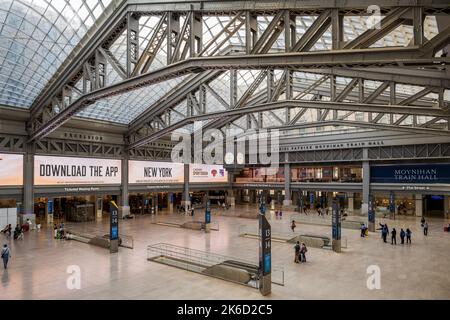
x,y
290,82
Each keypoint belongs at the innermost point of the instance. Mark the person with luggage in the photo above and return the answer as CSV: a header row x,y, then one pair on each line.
x,y
6,254
303,251
7,231
402,236
394,236
425,229
297,252
363,230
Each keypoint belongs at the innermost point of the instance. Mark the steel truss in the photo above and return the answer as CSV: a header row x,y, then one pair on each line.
x,y
180,27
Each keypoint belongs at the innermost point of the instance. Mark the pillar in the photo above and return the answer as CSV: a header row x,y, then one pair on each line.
x,y
418,204
99,208
312,197
28,184
170,198
231,199
351,201
186,201
329,199
366,193
447,207
124,203
287,202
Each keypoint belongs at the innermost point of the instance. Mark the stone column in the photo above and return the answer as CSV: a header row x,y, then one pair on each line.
x,y
124,203
186,201
446,207
287,202
170,201
231,199
311,197
28,184
418,204
366,191
351,201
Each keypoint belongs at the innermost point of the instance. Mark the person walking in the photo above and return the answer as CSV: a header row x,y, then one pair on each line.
x,y
6,254
394,236
297,252
408,236
425,229
402,236
303,251
363,230
293,226
384,233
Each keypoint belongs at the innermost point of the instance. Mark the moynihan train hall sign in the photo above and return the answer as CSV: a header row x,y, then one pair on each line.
x,y
411,173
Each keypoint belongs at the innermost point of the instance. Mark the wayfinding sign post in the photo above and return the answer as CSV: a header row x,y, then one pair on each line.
x,y
114,227
265,256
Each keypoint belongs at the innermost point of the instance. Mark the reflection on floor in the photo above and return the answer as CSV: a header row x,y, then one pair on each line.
x,y
38,268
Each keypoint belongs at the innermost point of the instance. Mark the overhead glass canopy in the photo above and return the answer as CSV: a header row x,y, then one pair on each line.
x,y
36,36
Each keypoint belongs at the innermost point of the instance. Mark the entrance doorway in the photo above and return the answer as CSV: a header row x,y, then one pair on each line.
x,y
434,206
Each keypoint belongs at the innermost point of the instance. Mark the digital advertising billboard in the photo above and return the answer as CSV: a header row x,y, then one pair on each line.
x,y
11,169
140,172
207,173
55,171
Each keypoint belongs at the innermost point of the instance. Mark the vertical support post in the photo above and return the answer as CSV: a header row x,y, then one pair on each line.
x,y
196,34
418,18
392,99
289,93
289,30
287,202
337,30
100,70
231,200
173,30
270,84
351,201
311,200
336,227
124,201
28,184
392,205
251,31
233,88
132,42
361,90
366,187
418,204
186,201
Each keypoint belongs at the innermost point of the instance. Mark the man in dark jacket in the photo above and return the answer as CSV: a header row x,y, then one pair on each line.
x,y
393,236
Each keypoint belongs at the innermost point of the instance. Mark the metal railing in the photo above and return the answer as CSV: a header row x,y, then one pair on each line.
x,y
204,262
289,236
326,220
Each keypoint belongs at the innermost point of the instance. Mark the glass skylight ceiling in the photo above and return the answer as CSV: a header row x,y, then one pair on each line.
x,y
36,36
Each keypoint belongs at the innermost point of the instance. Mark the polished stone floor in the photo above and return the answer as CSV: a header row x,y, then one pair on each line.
x,y
38,268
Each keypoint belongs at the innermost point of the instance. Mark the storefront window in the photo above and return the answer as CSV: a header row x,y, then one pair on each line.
x,y
327,174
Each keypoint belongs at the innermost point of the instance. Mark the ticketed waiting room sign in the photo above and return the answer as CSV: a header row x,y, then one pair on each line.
x,y
76,171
